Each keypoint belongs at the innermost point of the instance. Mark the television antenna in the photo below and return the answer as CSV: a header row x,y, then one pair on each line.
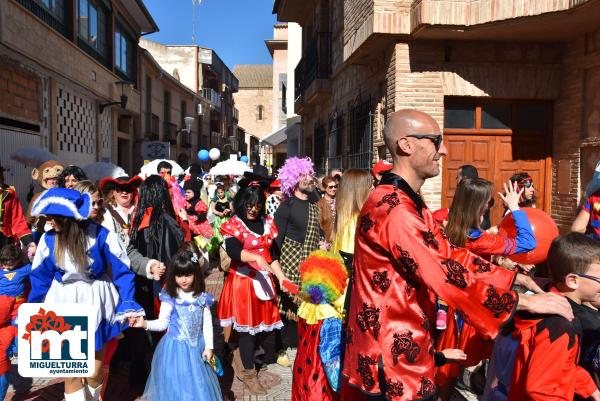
x,y
194,4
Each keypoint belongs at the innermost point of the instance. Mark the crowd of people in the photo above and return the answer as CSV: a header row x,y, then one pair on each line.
x,y
381,297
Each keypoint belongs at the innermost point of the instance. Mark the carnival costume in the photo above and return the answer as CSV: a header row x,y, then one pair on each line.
x,y
298,224
460,334
13,226
106,282
116,219
12,294
178,370
273,200
199,225
402,261
220,207
248,298
317,364
538,360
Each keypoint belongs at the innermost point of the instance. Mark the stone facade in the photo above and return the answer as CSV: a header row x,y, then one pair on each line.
x,y
401,54
203,71
247,101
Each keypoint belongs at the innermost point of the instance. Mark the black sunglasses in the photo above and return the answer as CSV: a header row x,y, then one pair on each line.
x,y
593,278
436,139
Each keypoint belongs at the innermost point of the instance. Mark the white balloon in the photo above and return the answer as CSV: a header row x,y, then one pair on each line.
x,y
214,154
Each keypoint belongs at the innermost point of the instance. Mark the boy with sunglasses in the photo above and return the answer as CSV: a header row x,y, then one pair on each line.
x,y
539,359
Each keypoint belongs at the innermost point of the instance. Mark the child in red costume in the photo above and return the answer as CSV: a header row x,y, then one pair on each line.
x,y
538,361
13,226
471,201
13,279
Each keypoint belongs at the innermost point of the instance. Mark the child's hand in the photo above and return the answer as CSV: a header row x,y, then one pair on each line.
x,y
526,268
157,270
207,354
454,355
137,322
511,195
493,230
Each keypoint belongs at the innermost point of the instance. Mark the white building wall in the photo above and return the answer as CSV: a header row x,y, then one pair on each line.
x,y
294,54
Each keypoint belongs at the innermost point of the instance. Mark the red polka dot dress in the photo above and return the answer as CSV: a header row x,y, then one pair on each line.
x,y
248,301
309,381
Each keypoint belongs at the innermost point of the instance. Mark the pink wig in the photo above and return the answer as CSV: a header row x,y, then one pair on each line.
x,y
291,172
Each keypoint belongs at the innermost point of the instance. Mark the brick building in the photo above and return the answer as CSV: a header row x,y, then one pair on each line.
x,y
66,69
254,102
514,85
203,71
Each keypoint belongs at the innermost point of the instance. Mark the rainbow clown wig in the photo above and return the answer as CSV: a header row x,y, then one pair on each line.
x,y
323,277
291,172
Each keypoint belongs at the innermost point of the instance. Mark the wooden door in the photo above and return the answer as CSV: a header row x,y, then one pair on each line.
x,y
478,150
523,144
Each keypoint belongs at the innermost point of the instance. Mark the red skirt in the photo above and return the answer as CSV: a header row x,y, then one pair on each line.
x,y
309,380
240,307
470,341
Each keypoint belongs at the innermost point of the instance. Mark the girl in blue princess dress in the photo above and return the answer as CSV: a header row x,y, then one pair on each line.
x,y
180,367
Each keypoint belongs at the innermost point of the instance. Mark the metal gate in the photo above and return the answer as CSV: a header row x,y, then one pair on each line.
x,y
361,135
17,175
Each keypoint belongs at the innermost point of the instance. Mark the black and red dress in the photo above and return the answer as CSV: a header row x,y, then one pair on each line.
x,y
248,301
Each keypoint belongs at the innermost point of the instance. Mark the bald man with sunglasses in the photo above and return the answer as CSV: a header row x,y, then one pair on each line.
x,y
402,262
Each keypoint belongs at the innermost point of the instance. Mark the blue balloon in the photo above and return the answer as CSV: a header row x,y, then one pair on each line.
x,y
203,155
244,159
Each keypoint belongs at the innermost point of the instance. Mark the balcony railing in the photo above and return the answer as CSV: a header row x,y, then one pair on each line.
x,y
170,132
57,23
236,114
212,96
215,139
315,64
186,140
152,127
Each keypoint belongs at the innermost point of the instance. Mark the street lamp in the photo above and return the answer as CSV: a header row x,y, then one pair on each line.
x,y
125,85
188,125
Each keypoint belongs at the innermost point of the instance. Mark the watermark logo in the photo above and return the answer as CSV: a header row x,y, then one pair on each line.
x,y
56,340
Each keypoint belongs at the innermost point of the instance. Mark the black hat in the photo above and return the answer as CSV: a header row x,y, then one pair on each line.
x,y
108,183
194,185
253,179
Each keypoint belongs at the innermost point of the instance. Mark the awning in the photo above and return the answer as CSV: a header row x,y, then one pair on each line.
x,y
275,137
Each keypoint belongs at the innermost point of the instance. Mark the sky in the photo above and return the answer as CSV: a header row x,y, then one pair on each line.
x,y
235,29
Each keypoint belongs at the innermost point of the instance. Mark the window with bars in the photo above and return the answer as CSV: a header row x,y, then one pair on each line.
x,y
335,150
320,148
51,12
55,7
360,136
259,112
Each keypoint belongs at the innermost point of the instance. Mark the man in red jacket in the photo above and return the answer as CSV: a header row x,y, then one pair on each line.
x,y
402,261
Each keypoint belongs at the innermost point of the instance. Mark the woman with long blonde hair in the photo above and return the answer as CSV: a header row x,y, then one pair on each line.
x,y
353,191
